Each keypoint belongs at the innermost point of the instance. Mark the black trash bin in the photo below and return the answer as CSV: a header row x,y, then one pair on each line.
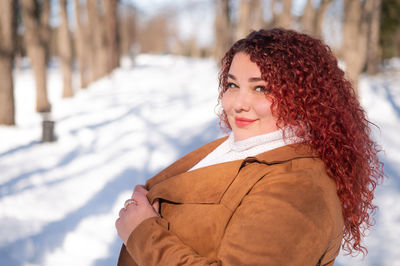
x,y
48,131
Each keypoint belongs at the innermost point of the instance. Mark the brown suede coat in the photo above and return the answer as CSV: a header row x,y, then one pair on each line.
x,y
277,208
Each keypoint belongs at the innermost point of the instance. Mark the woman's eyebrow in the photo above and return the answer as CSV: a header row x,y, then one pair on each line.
x,y
255,79
250,79
231,76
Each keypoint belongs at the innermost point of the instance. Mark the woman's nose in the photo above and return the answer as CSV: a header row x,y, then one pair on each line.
x,y
242,102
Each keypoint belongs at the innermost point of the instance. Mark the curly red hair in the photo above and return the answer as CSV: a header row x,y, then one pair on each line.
x,y
311,95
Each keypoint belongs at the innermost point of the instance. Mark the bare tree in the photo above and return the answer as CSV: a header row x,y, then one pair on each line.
x,y
312,18
223,28
250,17
193,49
155,34
284,19
36,39
319,18
389,36
82,46
127,29
45,30
96,33
7,48
65,50
112,34
93,49
354,46
373,53
308,18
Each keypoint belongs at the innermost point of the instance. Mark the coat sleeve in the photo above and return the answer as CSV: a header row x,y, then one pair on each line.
x,y
279,222
151,243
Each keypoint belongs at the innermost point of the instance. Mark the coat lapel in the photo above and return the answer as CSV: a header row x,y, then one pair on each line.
x,y
203,185
208,184
185,163
285,153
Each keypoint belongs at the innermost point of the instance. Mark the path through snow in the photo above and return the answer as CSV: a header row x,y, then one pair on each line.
x,y
59,201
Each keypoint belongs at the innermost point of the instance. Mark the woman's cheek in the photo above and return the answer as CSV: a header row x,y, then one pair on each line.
x,y
225,102
263,107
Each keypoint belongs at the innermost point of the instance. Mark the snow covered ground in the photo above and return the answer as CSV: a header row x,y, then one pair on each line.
x,y
59,201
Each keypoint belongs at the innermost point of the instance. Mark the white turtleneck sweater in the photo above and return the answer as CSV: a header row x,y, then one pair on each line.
x,y
231,150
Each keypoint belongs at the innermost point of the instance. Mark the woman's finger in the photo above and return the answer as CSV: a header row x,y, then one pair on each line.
x,y
121,212
141,198
139,188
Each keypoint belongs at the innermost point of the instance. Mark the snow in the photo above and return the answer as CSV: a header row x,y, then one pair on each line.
x,y
59,201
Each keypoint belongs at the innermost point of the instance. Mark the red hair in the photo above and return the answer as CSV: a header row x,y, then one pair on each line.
x,y
311,95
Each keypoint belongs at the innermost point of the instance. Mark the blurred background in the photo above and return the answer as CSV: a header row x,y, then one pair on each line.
x,y
97,96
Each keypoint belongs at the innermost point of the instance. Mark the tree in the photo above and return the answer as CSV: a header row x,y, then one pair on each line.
x,y
7,48
373,51
308,18
250,17
319,18
36,39
155,34
223,28
82,46
65,50
96,33
390,29
127,29
355,29
112,34
312,19
284,19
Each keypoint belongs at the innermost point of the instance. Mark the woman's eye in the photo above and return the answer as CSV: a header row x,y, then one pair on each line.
x,y
260,89
231,85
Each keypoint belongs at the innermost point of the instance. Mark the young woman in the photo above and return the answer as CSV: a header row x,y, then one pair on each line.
x,y
291,184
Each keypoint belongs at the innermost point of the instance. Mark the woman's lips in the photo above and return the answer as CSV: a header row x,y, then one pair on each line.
x,y
242,122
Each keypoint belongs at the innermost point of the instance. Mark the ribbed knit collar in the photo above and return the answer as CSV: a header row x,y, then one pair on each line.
x,y
246,144
230,150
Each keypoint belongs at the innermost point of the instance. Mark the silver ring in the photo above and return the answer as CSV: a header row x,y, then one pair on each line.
x,y
130,201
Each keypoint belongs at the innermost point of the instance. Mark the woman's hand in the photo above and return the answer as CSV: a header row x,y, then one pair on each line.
x,y
136,210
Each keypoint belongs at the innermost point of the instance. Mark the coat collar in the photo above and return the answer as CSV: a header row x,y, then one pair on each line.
x,y
185,163
207,184
285,153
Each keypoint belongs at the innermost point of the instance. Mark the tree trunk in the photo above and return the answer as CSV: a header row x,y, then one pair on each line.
x,y
155,35
65,51
99,58
193,48
258,21
354,45
7,35
112,34
36,49
308,18
373,53
312,19
284,19
397,42
93,49
244,22
250,17
319,17
127,30
45,30
223,28
82,47
274,16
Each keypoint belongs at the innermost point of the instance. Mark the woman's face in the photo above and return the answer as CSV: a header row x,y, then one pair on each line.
x,y
247,107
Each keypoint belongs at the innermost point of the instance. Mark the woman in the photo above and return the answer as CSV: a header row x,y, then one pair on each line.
x,y
292,183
